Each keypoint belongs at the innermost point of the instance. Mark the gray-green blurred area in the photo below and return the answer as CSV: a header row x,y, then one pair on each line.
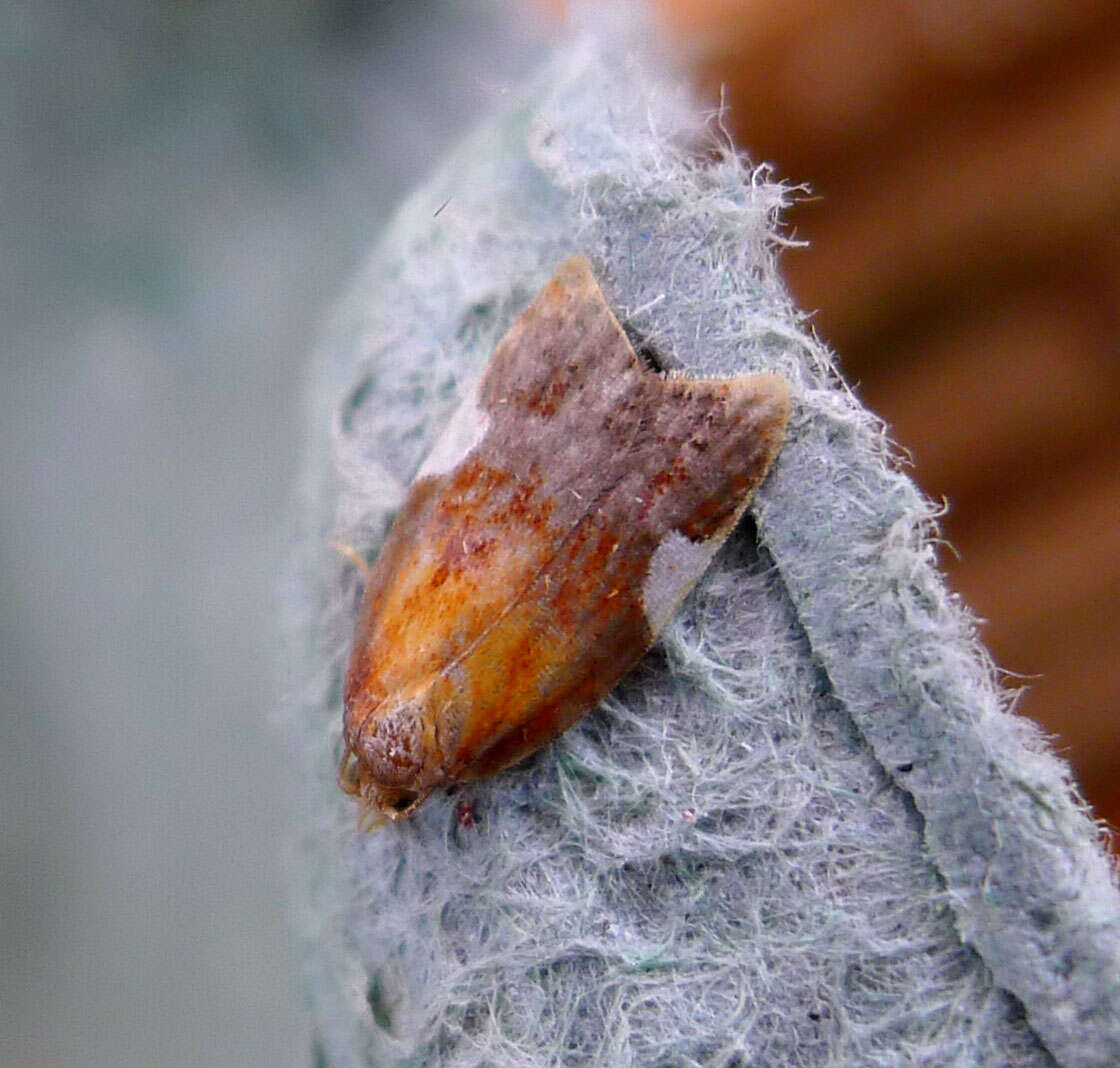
x,y
184,190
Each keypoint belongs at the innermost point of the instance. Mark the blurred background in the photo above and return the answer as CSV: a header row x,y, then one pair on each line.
x,y
186,188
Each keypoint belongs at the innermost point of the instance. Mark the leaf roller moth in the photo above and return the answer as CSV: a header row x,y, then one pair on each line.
x,y
573,500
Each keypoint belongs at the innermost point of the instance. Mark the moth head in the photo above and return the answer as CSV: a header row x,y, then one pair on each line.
x,y
384,760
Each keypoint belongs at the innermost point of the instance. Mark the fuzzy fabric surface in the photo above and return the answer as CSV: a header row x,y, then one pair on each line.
x,y
806,829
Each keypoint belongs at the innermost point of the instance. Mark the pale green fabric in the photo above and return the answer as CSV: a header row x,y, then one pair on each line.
x,y
805,830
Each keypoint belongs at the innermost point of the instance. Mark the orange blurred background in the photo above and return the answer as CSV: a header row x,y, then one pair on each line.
x,y
964,263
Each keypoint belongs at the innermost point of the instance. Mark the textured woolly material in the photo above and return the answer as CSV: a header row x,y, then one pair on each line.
x,y
805,830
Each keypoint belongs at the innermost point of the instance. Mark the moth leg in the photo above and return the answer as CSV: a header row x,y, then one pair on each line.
x,y
370,818
349,773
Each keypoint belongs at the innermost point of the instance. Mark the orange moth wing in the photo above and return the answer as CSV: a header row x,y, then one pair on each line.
x,y
570,505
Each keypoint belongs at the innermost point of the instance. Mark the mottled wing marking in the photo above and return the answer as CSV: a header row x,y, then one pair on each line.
x,y
567,510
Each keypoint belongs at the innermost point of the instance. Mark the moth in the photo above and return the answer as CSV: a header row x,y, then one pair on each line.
x,y
571,503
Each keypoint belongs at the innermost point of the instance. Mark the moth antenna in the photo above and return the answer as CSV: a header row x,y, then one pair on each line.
x,y
352,554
